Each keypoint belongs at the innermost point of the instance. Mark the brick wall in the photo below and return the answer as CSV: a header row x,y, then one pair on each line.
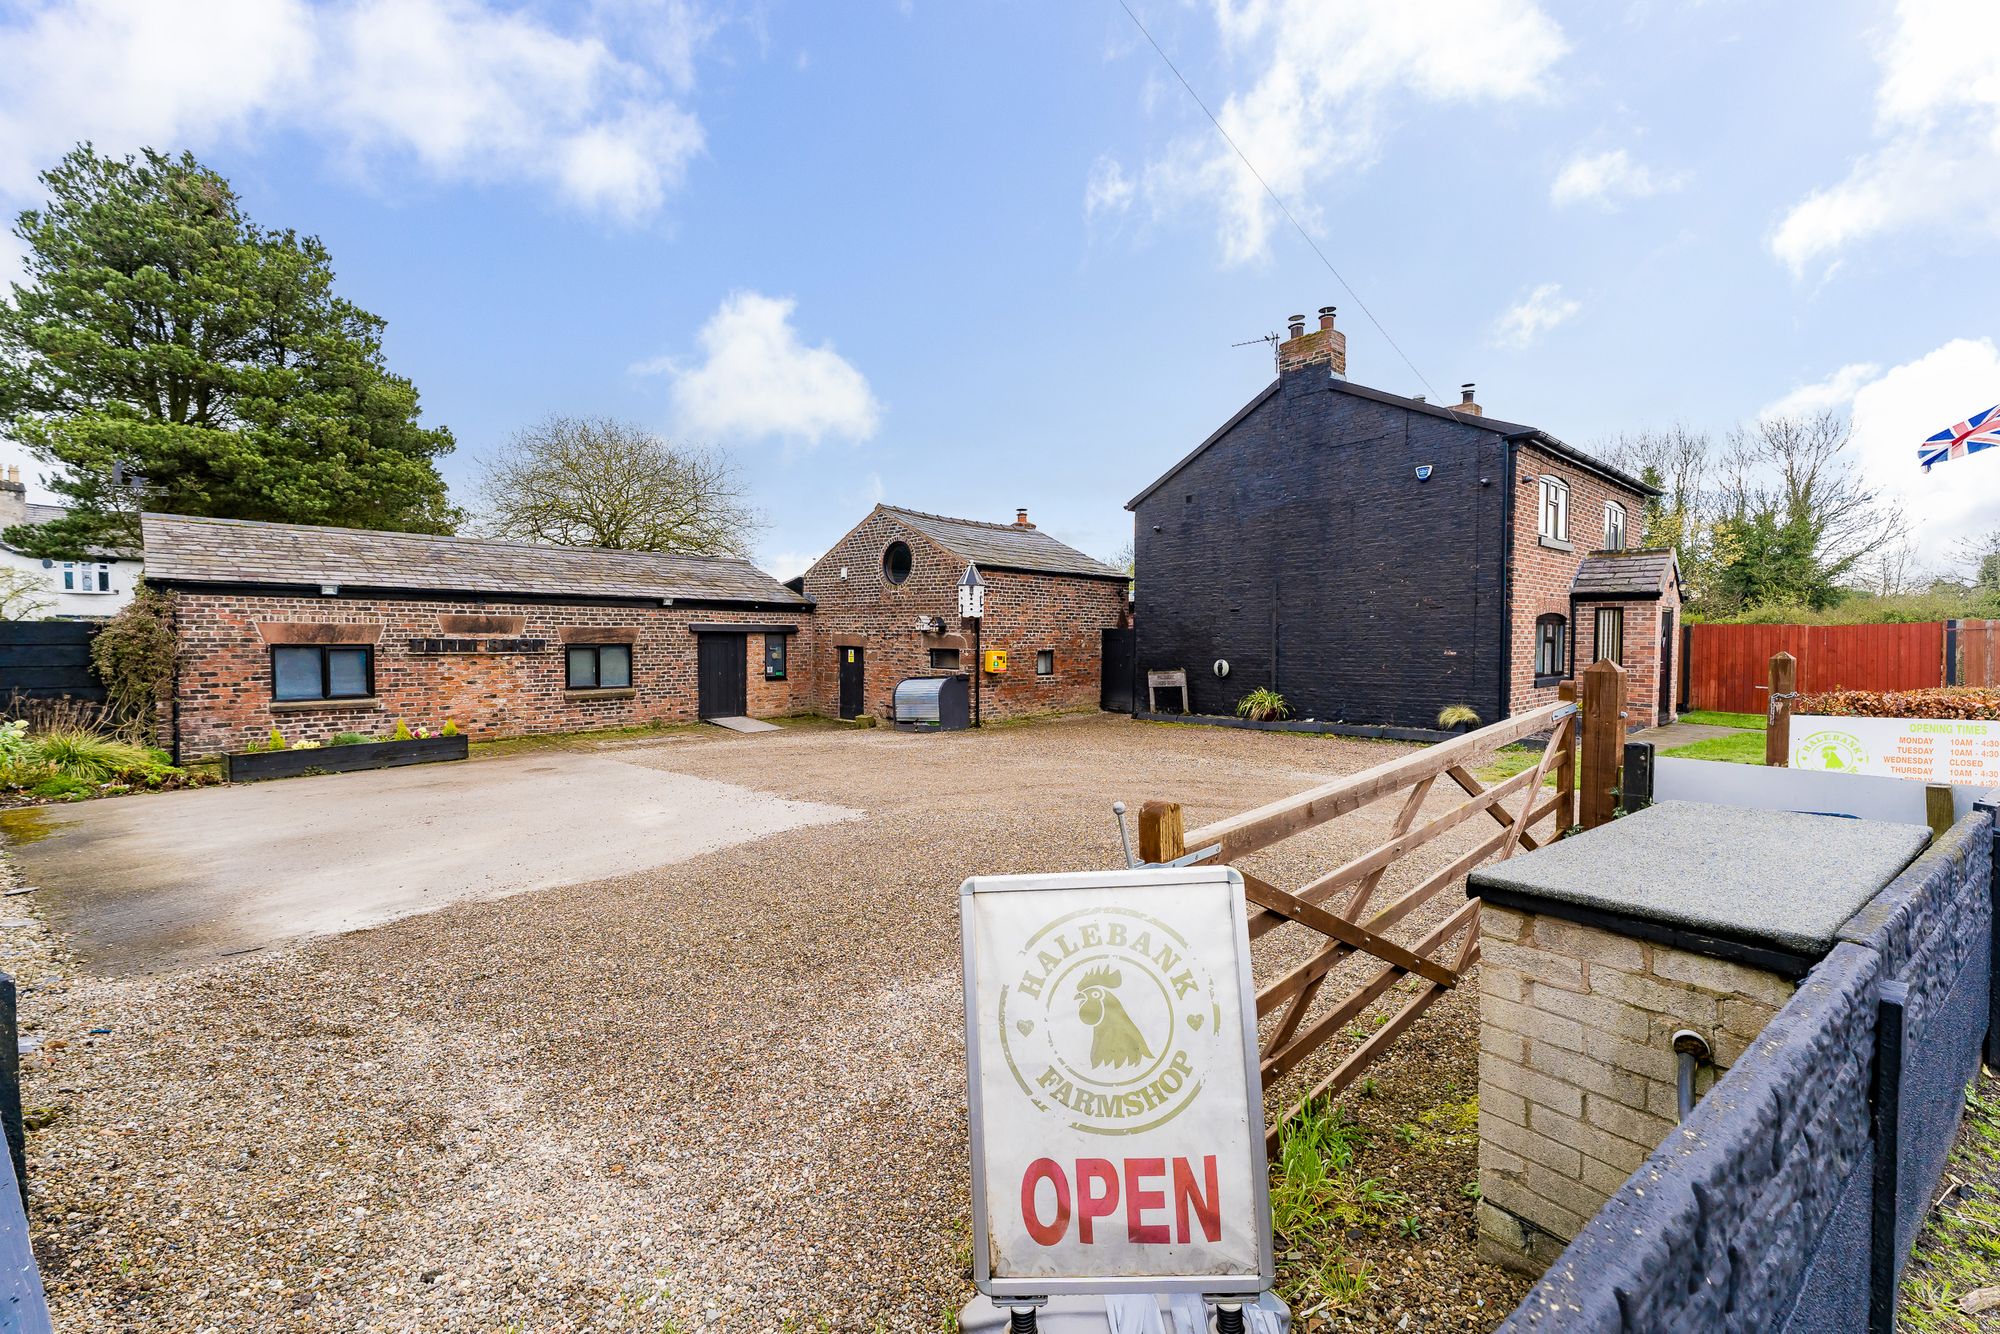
x,y
1577,1073
1542,577
1025,613
224,692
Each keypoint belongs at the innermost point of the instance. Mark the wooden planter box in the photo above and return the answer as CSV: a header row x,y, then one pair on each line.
x,y
257,765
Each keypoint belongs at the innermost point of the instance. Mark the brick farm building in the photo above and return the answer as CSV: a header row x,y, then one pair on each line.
x,y
322,631
1376,558
885,602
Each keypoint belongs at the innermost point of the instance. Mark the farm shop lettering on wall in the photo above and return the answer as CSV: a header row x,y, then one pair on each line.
x,y
478,645
1928,750
1116,1110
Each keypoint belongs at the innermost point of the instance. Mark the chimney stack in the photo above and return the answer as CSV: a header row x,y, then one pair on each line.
x,y
1021,518
1466,403
13,499
1323,350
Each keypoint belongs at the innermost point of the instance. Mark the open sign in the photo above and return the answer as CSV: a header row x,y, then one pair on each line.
x,y
1116,1106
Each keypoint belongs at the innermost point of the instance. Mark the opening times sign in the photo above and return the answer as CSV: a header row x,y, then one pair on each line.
x,y
1925,750
1116,1108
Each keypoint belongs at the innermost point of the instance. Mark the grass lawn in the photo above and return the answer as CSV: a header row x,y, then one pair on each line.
x,y
1510,760
1949,1284
1736,748
1710,718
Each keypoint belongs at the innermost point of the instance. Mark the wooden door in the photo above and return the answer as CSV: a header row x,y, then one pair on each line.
x,y
722,677
853,682
1666,667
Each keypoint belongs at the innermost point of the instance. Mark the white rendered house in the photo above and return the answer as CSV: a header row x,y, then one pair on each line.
x,y
71,590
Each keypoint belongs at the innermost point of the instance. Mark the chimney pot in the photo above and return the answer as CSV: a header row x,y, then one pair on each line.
x,y
1297,324
1324,350
1467,404
1326,317
1021,518
1465,393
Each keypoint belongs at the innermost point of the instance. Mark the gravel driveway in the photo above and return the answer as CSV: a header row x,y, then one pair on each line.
x,y
724,1093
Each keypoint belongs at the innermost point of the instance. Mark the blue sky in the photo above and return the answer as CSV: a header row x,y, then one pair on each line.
x,y
966,256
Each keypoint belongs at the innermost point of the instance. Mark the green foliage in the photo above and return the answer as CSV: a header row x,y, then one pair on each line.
x,y
1263,705
164,352
1736,748
1717,718
1454,715
276,741
402,732
450,728
133,655
348,739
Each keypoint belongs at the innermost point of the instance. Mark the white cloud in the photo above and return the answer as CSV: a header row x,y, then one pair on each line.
x,y
1109,189
1324,76
1537,313
1894,412
1835,391
1605,178
1937,115
785,564
455,88
759,379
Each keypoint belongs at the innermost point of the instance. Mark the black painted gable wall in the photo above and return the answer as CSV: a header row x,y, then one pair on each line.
x,y
1301,548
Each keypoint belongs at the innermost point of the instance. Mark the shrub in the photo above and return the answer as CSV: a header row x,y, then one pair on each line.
x,y
1457,715
133,656
1943,702
402,732
348,739
1263,705
450,728
276,741
90,757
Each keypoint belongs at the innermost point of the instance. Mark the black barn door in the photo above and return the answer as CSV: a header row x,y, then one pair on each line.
x,y
723,680
1114,691
853,680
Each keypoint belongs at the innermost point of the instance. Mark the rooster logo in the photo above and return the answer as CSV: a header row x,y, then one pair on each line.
x,y
1114,1040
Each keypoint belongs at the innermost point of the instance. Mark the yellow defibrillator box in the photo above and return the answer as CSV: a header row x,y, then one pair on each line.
x,y
996,660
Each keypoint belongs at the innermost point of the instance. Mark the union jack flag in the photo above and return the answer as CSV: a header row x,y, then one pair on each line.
x,y
1977,432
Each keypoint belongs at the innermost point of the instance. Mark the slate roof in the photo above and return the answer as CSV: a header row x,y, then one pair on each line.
x,y
1004,546
1614,574
184,550
1513,432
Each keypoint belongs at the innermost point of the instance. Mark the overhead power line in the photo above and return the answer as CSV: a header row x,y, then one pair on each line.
x,y
1251,167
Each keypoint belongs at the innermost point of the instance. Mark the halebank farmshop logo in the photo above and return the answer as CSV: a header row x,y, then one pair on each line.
x,y
1838,752
1110,1022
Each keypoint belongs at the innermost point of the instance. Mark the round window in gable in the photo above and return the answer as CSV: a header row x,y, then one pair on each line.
x,y
896,562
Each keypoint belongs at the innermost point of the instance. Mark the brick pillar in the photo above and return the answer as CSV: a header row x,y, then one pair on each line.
x,y
1577,1073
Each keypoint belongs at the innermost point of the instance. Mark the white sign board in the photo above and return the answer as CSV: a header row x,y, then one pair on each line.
x,y
1927,750
1116,1110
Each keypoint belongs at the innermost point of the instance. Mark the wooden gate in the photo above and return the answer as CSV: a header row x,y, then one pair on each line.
x,y
1979,653
1440,953
1728,663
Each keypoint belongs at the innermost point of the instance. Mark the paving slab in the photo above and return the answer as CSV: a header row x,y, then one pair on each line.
x,y
1774,878
153,882
745,725
1670,735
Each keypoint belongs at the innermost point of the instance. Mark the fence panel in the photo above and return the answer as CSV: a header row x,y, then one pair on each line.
x,y
1727,663
47,659
1979,653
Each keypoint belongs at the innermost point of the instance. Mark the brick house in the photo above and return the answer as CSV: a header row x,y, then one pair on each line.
x,y
885,603
1374,558
318,631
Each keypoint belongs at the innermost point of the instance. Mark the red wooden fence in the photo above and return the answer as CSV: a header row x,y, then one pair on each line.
x,y
1979,653
1726,663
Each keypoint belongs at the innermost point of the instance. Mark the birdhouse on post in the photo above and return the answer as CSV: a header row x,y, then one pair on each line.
x,y
971,595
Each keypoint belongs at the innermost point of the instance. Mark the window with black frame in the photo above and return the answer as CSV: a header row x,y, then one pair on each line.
x,y
774,657
322,671
1045,662
1551,636
600,667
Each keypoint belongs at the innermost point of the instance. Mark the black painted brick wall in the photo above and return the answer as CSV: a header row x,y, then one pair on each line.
x,y
1302,548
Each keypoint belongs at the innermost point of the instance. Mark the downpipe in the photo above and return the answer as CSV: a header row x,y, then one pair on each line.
x,y
1692,1051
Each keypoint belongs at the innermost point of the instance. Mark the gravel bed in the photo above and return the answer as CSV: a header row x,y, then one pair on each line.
x,y
724,1094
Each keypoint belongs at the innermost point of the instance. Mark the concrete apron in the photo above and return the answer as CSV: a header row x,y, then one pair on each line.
x,y
155,882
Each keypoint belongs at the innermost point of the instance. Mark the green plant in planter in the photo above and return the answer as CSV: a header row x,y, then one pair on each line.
x,y
402,732
1263,705
276,741
348,739
450,728
1457,715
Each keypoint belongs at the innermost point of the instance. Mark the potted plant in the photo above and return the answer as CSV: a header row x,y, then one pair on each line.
x,y
1457,718
1263,705
345,753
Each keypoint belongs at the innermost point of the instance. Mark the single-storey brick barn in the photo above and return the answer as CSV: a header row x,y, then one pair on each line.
x,y
885,602
319,631
1375,558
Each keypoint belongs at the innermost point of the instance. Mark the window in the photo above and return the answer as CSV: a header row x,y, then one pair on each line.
x,y
774,657
896,562
1555,509
1551,634
322,671
1045,662
1614,526
1611,634
85,577
944,659
600,666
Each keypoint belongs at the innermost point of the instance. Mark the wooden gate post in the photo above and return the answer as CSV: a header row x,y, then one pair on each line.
x,y
1778,710
1162,832
1568,732
1603,740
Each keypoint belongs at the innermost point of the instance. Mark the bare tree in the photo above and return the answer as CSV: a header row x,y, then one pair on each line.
x,y
1797,467
23,597
596,482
